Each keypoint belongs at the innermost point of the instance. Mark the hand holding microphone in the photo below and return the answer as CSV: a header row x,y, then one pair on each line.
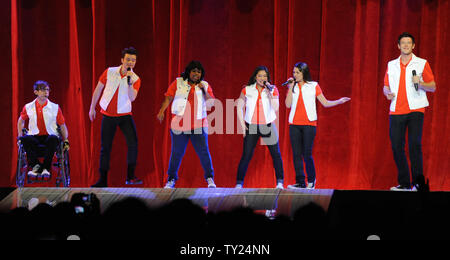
x,y
202,87
129,73
290,82
415,80
268,85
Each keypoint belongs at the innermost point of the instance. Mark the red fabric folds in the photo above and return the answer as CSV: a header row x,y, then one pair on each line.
x,y
14,79
346,44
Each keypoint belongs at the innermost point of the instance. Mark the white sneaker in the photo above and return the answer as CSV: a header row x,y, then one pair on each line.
x,y
400,188
311,185
238,186
271,213
45,173
211,183
34,172
280,186
170,184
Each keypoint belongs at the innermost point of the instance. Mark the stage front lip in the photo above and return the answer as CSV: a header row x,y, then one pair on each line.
x,y
284,202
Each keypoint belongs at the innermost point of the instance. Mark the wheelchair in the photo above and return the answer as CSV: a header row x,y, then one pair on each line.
x,y
60,163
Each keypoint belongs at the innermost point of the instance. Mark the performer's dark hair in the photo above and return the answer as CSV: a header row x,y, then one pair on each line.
x,y
193,65
129,50
40,85
252,79
304,69
406,35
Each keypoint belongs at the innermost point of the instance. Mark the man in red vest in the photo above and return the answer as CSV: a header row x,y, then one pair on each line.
x,y
120,86
44,118
407,81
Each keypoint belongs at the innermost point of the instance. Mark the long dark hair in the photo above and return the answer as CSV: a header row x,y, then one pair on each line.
x,y
304,69
193,65
252,79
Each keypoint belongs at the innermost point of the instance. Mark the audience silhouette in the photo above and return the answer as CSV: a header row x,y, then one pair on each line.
x,y
183,220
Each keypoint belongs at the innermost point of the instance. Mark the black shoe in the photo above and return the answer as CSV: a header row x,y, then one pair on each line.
x,y
134,181
297,186
100,184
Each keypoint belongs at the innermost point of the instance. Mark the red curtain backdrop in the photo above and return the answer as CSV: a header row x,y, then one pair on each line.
x,y
346,43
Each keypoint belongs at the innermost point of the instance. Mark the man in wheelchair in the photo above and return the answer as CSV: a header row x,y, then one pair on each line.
x,y
44,119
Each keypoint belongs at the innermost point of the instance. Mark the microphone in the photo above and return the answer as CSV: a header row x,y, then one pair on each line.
x,y
128,77
202,89
268,86
287,82
416,85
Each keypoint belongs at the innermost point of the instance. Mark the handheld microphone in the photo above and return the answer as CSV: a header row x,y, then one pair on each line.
x,y
128,77
268,86
202,89
287,82
416,85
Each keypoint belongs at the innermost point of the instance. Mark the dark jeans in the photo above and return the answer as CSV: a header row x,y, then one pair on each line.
x,y
270,137
302,140
180,140
31,145
109,126
398,124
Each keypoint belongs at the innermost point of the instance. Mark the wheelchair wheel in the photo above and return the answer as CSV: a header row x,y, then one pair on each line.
x,y
64,170
22,167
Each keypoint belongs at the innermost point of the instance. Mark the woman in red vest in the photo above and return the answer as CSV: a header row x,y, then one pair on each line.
x,y
261,102
301,99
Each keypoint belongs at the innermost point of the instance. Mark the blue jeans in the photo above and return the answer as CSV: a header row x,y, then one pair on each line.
x,y
302,140
199,139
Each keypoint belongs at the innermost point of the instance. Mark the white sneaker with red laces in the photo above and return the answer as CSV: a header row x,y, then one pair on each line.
x,y
35,171
45,173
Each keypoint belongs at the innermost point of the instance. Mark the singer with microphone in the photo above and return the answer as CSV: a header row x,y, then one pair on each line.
x,y
120,86
190,96
406,83
301,99
260,100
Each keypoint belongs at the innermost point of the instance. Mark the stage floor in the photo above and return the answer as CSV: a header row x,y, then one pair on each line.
x,y
284,202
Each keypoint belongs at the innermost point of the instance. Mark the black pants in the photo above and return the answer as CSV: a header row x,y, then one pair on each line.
x,y
270,138
31,145
302,140
109,126
398,124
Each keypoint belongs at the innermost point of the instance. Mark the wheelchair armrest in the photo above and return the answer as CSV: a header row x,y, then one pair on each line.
x,y
24,132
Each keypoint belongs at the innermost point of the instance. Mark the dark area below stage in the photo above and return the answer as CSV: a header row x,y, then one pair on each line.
x,y
218,214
